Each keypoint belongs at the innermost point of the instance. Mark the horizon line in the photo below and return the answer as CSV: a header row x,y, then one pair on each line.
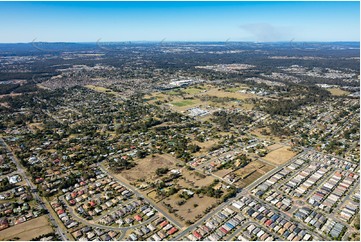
x,y
182,41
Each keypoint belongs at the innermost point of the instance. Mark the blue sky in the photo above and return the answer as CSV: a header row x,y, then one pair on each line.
x,y
179,21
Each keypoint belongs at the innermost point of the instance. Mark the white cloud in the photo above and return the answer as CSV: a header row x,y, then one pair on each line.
x,y
265,32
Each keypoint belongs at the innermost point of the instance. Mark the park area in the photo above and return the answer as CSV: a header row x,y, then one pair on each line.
x,y
182,99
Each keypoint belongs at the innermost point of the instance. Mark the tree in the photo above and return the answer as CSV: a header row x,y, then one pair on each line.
x,y
161,171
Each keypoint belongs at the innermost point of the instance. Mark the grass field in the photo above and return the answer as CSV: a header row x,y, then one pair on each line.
x,y
100,89
183,103
280,156
193,90
338,92
27,230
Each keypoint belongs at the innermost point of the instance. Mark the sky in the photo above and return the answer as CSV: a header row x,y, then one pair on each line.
x,y
179,21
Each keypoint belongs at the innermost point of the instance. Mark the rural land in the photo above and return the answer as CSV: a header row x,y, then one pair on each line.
x,y
234,141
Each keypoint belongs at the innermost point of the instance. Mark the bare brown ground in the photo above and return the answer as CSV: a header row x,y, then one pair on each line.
x,y
252,172
189,211
28,230
145,168
280,156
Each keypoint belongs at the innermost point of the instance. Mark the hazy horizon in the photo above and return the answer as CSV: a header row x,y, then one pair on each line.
x,y
177,41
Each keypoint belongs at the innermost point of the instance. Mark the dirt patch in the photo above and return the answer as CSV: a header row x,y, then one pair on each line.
x,y
274,147
223,172
27,230
145,168
280,156
250,168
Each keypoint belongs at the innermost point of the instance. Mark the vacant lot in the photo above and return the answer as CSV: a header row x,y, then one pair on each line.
x,y
145,168
205,146
280,156
223,172
191,179
154,196
34,126
189,211
252,172
274,147
337,92
27,230
258,133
